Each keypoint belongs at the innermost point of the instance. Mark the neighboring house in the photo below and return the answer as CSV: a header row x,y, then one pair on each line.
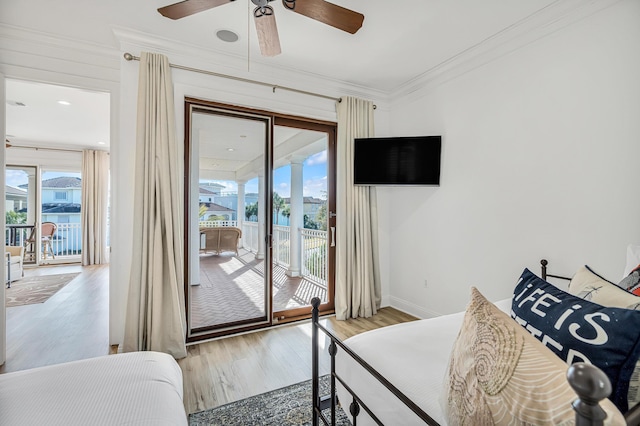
x,y
311,205
214,209
15,198
206,195
229,201
61,199
61,204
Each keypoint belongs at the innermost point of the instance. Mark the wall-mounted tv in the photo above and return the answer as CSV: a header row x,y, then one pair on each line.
x,y
407,160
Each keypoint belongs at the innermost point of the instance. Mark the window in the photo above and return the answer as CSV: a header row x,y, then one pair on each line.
x,y
60,195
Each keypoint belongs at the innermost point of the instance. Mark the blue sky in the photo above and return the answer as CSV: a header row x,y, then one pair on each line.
x,y
314,176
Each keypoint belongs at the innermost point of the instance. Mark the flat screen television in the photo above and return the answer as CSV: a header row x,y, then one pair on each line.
x,y
407,160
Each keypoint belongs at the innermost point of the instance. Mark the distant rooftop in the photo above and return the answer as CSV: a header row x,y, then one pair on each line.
x,y
59,182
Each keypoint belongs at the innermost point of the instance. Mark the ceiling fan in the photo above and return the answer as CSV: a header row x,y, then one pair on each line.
x,y
320,10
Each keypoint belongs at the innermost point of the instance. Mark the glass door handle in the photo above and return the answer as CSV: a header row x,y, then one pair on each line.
x,y
333,236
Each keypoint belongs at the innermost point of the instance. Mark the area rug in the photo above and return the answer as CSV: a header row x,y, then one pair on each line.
x,y
289,406
30,290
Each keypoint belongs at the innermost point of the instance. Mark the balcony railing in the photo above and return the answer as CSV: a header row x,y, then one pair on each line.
x,y
67,240
217,223
314,255
282,245
313,247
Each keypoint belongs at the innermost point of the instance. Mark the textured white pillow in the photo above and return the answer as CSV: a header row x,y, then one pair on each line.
x,y
633,258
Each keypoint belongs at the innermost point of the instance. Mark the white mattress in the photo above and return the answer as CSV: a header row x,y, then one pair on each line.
x,y
413,356
139,388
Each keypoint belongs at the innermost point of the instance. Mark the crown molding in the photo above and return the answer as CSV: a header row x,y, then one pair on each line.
x,y
544,22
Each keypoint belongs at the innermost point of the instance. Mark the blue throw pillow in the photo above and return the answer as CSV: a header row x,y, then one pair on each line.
x,y
578,330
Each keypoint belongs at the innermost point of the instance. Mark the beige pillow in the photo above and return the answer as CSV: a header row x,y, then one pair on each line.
x,y
500,374
590,286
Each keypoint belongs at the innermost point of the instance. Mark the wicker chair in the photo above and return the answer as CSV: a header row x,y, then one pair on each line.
x,y
221,239
47,229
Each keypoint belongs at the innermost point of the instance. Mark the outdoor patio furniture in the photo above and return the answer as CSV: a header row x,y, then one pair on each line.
x,y
47,229
221,239
14,256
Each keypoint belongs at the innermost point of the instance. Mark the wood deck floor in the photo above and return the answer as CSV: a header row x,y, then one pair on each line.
x,y
232,289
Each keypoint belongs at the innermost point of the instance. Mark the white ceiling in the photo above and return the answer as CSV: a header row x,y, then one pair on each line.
x,y
35,116
398,42
231,148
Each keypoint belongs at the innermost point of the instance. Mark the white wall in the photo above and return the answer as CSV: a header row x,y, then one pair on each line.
x,y
540,160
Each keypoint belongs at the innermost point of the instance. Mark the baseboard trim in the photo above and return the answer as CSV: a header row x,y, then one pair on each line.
x,y
411,308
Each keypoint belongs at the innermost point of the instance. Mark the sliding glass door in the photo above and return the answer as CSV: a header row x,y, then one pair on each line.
x,y
303,201
257,227
227,250
52,199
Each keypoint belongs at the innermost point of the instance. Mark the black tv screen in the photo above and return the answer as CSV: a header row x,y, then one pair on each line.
x,y
408,160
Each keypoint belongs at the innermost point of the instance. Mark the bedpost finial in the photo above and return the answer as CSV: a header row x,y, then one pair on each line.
x,y
592,386
544,262
315,302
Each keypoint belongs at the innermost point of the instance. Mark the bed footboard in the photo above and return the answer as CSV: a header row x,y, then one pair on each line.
x,y
323,403
590,384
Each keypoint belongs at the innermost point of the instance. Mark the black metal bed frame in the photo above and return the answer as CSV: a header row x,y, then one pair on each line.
x,y
586,380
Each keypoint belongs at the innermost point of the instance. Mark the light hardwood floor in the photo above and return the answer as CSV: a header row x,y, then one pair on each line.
x,y
233,368
73,324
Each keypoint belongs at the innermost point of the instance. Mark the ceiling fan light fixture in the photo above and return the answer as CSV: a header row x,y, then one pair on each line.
x,y
227,36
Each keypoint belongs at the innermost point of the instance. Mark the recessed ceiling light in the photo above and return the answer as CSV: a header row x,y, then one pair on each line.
x,y
228,36
230,149
101,143
66,103
243,136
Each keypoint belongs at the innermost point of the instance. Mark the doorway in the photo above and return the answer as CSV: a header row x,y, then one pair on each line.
x,y
258,228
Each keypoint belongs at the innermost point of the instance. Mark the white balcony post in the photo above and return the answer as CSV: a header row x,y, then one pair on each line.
x,y
240,210
261,218
296,215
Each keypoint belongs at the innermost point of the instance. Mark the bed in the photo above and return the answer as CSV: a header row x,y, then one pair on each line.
x,y
138,388
421,385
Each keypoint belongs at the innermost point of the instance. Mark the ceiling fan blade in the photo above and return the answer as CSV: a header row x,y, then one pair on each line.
x,y
327,13
189,7
267,31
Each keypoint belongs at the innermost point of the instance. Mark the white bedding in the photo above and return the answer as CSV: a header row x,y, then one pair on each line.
x,y
139,388
413,356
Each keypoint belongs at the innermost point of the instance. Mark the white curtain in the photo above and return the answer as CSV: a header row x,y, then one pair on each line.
x,y
357,266
95,187
155,317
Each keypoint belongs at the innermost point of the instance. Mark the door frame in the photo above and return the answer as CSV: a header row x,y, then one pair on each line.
x,y
304,123
330,129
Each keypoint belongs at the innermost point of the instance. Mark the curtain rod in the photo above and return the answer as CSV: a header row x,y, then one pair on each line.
x,y
38,148
130,57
